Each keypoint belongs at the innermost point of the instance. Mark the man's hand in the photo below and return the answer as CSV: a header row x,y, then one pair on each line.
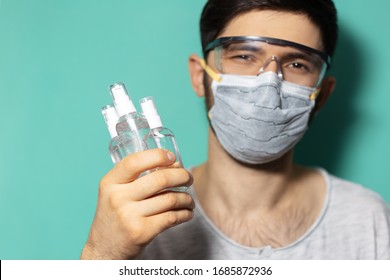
x,y
133,210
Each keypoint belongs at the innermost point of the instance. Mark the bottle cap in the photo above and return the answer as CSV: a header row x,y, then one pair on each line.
x,y
150,112
111,118
122,101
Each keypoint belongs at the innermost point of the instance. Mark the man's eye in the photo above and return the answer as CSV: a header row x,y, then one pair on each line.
x,y
298,66
243,57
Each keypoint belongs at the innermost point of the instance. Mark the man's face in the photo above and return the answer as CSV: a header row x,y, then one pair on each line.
x,y
282,25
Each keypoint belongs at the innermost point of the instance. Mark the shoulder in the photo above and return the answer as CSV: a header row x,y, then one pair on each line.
x,y
352,196
357,218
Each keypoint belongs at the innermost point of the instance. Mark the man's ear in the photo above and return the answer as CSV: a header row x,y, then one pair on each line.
x,y
196,74
327,87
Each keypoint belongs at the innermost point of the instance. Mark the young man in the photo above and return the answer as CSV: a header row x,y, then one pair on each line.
x,y
263,79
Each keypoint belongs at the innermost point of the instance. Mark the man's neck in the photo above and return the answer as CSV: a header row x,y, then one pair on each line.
x,y
242,186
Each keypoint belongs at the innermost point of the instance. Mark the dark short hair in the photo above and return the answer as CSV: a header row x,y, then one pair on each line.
x,y
217,14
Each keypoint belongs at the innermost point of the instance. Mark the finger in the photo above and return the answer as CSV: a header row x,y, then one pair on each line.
x,y
157,181
166,201
166,220
174,165
129,168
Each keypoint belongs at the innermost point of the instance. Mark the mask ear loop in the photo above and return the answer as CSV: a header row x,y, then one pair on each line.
x,y
314,94
213,76
210,71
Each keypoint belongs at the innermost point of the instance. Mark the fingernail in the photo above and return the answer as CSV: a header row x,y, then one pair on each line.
x,y
171,156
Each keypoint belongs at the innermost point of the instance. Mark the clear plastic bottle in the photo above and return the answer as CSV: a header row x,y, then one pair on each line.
x,y
115,146
131,125
158,134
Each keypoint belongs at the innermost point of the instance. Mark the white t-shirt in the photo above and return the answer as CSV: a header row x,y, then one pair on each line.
x,y
354,224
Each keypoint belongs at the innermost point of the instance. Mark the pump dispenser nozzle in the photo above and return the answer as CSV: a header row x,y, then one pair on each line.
x,y
122,101
150,111
111,118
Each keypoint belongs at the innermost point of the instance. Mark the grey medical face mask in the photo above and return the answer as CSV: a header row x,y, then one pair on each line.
x,y
257,119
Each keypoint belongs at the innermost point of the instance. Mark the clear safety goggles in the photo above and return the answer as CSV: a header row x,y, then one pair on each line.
x,y
251,56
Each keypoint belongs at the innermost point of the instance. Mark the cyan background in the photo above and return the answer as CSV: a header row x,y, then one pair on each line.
x,y
57,59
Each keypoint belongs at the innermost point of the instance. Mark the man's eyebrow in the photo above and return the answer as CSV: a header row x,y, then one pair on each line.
x,y
244,47
301,55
